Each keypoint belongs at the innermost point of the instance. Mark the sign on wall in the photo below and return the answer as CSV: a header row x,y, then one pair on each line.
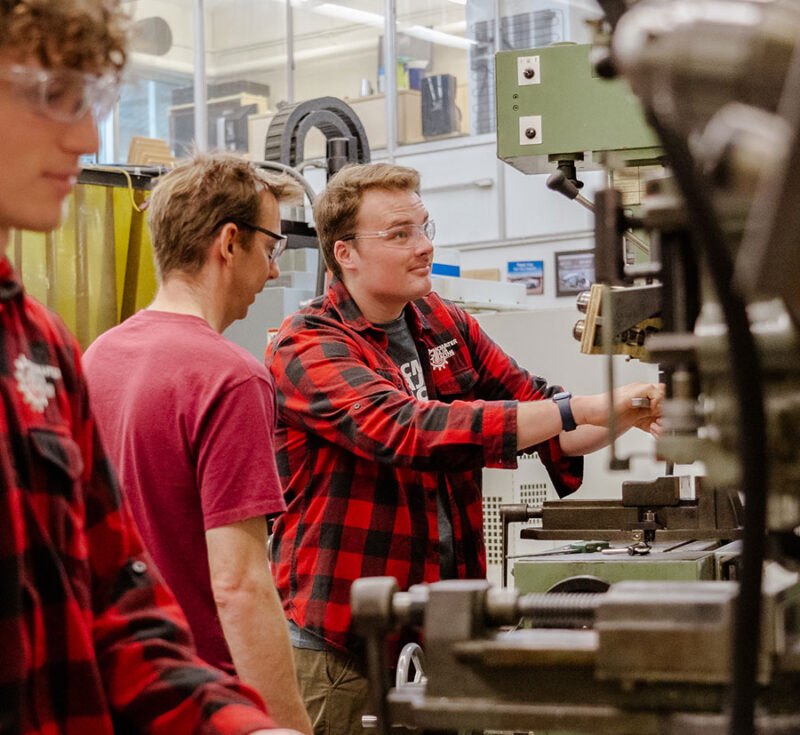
x,y
529,272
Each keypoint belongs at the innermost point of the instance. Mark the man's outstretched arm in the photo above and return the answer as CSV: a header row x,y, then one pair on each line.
x,y
540,420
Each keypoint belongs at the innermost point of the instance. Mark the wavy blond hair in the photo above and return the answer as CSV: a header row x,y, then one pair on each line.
x,y
190,202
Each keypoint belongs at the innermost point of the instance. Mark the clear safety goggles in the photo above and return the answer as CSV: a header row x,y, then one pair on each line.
x,y
65,95
400,236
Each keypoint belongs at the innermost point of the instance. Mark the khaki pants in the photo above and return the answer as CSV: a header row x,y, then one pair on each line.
x,y
334,690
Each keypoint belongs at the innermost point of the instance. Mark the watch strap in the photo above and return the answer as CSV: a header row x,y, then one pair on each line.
x,y
565,409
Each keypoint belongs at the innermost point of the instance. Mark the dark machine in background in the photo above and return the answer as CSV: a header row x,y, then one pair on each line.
x,y
535,28
716,305
440,115
229,104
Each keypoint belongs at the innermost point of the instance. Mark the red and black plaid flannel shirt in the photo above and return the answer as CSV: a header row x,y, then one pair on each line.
x,y
91,641
360,458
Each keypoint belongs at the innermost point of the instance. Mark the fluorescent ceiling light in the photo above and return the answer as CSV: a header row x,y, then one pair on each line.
x,y
144,63
375,20
332,10
443,39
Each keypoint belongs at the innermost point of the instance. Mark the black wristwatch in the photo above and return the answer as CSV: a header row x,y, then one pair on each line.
x,y
567,419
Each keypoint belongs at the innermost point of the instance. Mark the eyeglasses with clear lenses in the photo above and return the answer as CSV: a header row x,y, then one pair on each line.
x,y
64,95
280,240
401,236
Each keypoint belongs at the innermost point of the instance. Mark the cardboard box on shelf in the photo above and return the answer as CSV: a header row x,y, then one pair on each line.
x,y
149,151
482,274
371,110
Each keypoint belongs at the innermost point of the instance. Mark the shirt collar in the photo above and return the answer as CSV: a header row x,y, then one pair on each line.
x,y
344,304
10,283
417,321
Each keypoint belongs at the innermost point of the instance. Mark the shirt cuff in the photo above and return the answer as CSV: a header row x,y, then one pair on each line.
x,y
499,429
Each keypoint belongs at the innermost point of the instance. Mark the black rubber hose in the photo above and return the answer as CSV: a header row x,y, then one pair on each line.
x,y
613,10
746,375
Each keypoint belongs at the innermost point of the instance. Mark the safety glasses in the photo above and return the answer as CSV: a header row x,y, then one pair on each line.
x,y
401,236
65,95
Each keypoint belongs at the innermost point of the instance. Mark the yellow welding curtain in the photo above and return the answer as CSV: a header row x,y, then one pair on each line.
x,y
97,268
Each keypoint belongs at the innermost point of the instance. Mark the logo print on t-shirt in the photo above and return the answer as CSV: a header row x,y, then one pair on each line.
x,y
440,353
33,383
412,372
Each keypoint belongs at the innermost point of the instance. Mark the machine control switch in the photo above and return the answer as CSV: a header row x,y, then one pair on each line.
x,y
530,129
528,70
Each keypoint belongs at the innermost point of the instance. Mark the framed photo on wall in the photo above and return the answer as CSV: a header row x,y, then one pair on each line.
x,y
574,271
528,272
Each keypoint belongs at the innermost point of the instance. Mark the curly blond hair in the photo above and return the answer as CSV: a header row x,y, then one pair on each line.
x,y
88,35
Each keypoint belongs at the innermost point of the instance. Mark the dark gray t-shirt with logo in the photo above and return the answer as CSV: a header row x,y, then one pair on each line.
x,y
403,353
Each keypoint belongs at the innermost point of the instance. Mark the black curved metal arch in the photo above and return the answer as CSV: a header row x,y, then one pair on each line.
x,y
333,117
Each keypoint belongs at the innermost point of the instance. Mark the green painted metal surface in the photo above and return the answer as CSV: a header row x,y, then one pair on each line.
x,y
579,111
539,575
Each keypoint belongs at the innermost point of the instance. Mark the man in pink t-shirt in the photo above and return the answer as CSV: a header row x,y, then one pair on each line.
x,y
188,417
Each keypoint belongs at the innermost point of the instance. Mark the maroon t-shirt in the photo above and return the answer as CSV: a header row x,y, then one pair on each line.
x,y
187,418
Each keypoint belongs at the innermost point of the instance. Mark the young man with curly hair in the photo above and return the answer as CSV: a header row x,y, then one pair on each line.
x,y
91,639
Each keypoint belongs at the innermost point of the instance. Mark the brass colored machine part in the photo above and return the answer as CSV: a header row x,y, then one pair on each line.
x,y
636,317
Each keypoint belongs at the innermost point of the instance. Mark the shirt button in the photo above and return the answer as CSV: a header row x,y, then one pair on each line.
x,y
139,567
356,405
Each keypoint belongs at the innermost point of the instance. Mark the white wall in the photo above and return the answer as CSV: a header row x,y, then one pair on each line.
x,y
539,224
541,341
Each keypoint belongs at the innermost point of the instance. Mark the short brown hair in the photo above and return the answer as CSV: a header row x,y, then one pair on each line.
x,y
336,209
87,35
191,201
